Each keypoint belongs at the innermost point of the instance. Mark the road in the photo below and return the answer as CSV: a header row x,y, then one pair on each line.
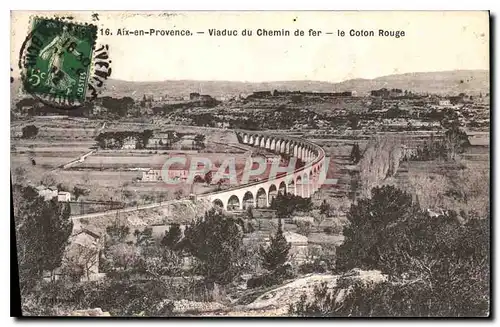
x,y
129,209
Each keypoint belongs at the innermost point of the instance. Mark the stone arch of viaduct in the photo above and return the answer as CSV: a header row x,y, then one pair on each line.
x,y
303,181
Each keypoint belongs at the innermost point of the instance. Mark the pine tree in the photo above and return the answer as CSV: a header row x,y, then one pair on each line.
x,y
276,254
172,236
208,177
216,242
144,237
42,232
324,208
355,154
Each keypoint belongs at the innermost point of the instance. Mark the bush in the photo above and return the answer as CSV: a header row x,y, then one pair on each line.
x,y
317,266
386,299
216,242
275,277
172,236
334,229
276,254
29,131
304,227
285,205
444,258
199,179
328,230
120,297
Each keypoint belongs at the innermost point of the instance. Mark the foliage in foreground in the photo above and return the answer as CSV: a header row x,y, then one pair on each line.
x,y
216,242
42,232
276,254
285,205
438,266
119,296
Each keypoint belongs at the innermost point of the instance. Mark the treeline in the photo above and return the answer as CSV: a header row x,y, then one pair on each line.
x,y
169,107
144,277
279,118
454,142
116,140
42,232
113,107
118,107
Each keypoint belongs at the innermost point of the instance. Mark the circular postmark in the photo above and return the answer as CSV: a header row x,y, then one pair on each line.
x,y
61,65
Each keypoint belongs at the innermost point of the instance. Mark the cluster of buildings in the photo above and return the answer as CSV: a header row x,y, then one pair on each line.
x,y
275,93
175,171
49,193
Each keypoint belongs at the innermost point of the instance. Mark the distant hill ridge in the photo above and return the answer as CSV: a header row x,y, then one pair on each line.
x,y
446,82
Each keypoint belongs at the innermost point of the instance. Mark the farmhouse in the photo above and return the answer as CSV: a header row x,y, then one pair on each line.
x,y
82,254
173,173
64,196
443,103
48,193
152,175
129,143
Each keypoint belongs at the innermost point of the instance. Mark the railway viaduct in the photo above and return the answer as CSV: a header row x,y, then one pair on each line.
x,y
303,181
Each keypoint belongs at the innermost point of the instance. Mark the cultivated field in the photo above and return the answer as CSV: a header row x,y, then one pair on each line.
x,y
110,175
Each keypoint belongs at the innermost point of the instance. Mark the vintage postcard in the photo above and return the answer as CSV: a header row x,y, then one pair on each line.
x,y
264,164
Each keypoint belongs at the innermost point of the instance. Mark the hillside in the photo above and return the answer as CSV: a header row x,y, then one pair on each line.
x,y
448,82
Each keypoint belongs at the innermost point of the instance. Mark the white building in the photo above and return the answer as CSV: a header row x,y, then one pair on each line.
x,y
154,175
129,144
444,102
48,193
64,196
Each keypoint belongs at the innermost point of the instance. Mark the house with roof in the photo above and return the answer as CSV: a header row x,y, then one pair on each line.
x,y
82,255
48,193
479,139
63,196
130,143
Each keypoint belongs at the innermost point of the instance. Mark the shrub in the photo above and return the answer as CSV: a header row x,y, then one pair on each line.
x,y
285,205
276,254
316,266
119,296
334,229
172,236
29,131
304,227
275,277
445,259
216,242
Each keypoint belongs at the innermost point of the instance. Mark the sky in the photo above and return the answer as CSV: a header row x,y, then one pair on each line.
x,y
433,41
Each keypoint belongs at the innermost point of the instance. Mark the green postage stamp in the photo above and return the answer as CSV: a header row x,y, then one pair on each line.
x,y
56,60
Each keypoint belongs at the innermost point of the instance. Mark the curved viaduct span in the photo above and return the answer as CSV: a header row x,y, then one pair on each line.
x,y
303,181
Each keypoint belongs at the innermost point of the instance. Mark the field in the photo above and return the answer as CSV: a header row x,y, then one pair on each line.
x,y
109,175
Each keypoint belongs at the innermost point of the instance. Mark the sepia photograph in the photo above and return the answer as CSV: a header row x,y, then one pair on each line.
x,y
303,164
